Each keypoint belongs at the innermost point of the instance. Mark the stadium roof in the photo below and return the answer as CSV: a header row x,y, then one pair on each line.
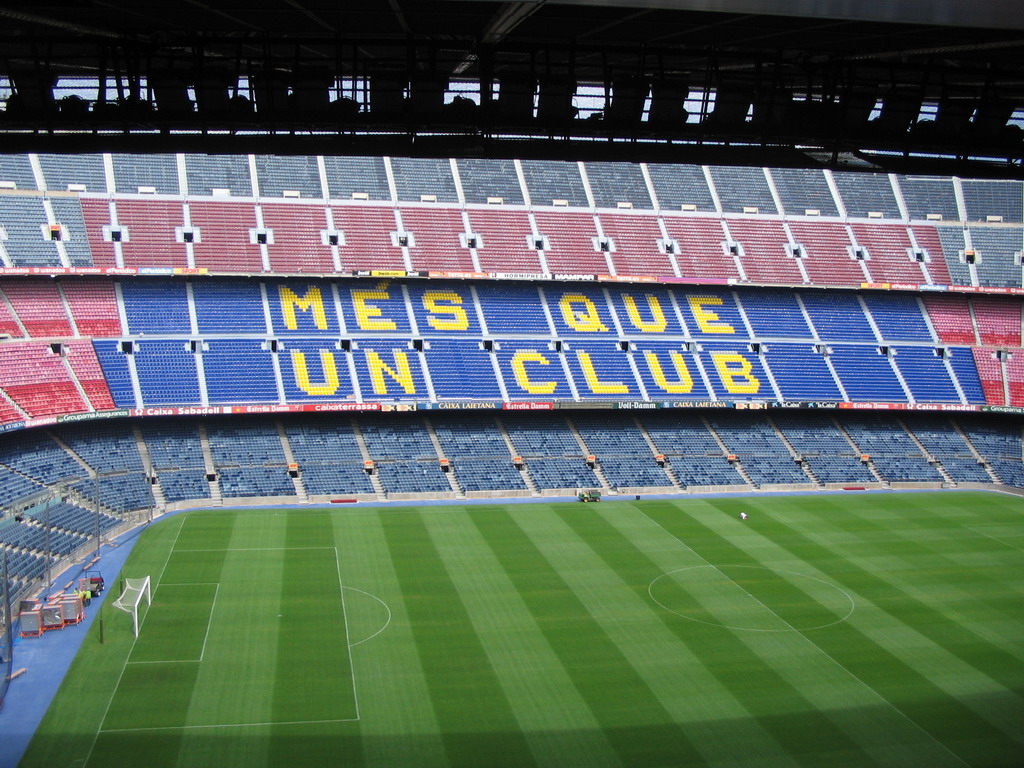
x,y
898,84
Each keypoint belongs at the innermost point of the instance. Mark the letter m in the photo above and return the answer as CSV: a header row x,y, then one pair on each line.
x,y
311,301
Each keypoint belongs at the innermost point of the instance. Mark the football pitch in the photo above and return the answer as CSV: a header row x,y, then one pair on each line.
x,y
825,630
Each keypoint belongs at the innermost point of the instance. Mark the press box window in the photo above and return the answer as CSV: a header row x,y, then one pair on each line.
x,y
187,235
332,237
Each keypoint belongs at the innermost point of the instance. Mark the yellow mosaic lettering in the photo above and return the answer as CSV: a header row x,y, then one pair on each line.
x,y
586,319
519,361
597,386
403,376
311,300
735,369
330,384
365,312
707,319
683,386
459,320
656,324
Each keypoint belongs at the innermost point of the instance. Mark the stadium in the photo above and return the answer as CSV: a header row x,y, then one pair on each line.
x,y
317,325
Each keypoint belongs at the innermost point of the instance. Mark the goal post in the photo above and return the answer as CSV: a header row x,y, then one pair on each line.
x,y
135,590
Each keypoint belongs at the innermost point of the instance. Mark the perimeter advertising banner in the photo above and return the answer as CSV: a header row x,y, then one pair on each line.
x,y
494,405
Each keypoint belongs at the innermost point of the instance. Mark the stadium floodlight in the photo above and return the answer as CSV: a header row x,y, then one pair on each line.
x,y
134,591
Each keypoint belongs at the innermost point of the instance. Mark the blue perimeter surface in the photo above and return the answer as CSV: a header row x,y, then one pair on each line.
x,y
47,659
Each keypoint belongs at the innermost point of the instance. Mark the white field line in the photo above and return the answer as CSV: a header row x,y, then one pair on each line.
x,y
344,613
814,645
250,549
173,549
993,538
228,725
386,623
120,677
209,623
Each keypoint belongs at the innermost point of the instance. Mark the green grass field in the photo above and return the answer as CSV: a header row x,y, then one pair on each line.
x,y
854,630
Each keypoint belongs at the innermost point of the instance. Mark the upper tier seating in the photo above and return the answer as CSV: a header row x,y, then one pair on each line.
x,y
550,180
435,243
226,240
888,250
681,185
701,248
206,173
925,195
158,207
277,174
417,177
825,254
484,179
634,244
61,171
866,193
26,237
350,176
504,241
613,184
368,241
984,198
741,188
154,233
571,243
160,172
17,170
763,251
297,243
997,254
802,190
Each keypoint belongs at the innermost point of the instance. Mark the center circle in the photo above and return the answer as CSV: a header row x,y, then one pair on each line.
x,y
751,598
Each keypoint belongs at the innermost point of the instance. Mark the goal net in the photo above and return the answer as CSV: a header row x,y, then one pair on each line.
x,y
135,590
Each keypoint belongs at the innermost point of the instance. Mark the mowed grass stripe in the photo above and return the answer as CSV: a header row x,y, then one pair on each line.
x,y
925,549
930,634
953,656
706,714
944,719
314,678
756,670
175,631
880,730
236,677
477,722
634,720
977,583
549,703
398,725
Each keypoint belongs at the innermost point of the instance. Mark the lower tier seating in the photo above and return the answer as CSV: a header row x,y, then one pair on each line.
x,y
487,452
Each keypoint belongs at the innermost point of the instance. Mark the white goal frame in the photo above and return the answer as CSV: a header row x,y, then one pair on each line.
x,y
134,592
